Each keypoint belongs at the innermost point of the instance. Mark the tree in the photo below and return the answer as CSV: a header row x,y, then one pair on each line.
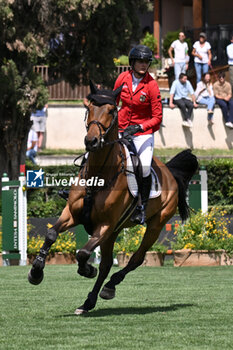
x,y
76,38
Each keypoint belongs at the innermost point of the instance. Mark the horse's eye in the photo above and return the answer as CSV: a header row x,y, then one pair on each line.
x,y
112,111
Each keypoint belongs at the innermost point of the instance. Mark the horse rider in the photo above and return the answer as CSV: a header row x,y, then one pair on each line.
x,y
140,115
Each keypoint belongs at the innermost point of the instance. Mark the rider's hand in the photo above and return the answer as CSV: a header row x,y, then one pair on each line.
x,y
132,129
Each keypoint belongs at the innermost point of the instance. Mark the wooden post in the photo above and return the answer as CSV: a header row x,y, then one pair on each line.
x,y
157,24
197,17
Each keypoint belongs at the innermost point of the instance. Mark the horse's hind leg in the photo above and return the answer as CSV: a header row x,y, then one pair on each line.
x,y
154,227
36,274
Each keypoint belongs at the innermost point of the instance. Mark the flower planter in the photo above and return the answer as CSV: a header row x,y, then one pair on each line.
x,y
226,259
56,259
188,257
151,259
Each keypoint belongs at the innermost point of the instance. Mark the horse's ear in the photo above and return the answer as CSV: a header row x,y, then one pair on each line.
x,y
93,88
117,91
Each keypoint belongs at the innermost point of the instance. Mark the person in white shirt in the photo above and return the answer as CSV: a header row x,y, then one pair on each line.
x,y
229,50
202,56
181,59
32,145
205,95
179,92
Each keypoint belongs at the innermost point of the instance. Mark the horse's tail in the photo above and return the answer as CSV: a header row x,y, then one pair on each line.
x,y
183,166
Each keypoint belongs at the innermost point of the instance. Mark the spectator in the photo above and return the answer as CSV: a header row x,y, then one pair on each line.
x,y
32,145
223,96
39,124
202,56
181,59
205,95
178,94
230,61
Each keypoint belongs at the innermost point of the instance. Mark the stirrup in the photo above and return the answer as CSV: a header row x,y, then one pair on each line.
x,y
138,216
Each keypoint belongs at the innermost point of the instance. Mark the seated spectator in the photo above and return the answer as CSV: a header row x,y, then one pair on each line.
x,y
205,95
179,92
223,96
39,124
32,145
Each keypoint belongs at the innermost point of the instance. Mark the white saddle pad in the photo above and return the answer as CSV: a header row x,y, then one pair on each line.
x,y
132,183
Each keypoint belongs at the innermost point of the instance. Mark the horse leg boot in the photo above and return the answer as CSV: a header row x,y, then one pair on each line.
x,y
139,215
36,274
84,268
104,268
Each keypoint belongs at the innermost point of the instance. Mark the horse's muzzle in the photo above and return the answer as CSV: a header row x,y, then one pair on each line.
x,y
92,144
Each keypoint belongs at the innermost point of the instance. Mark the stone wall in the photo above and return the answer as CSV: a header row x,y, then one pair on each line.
x,y
66,129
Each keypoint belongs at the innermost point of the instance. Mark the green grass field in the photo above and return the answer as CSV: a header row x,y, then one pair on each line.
x,y
155,308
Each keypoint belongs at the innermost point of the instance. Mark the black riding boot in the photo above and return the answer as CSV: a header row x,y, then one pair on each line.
x,y
139,215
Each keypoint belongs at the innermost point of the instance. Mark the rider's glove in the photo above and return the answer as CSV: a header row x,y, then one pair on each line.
x,y
132,129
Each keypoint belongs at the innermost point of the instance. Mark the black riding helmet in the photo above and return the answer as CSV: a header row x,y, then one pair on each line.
x,y
140,52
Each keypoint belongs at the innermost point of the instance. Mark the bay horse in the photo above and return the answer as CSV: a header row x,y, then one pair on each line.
x,y
102,209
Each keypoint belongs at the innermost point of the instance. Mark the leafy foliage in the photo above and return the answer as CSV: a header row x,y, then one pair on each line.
x,y
150,41
65,243
220,181
68,35
130,239
46,202
206,231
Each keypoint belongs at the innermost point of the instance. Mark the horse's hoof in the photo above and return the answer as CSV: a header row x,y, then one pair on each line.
x,y
88,271
80,311
107,293
35,278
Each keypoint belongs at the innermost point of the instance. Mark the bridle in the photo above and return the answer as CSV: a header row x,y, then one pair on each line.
x,y
101,127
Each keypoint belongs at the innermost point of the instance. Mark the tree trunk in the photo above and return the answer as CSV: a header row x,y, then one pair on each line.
x,y
14,129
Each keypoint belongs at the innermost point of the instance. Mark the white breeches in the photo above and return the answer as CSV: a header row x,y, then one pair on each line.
x,y
145,147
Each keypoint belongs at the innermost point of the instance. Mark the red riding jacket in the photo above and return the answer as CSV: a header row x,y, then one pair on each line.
x,y
143,106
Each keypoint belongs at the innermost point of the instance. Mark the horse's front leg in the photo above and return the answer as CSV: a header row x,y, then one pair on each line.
x,y
36,274
104,268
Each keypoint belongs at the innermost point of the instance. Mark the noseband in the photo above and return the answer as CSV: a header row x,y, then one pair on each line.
x,y
103,127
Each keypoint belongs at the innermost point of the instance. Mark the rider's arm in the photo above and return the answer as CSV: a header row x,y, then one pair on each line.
x,y
156,108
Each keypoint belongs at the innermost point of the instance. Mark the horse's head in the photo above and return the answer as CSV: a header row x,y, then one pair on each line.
x,y
101,116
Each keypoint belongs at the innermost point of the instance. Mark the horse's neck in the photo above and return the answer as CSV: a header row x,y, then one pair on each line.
x,y
105,160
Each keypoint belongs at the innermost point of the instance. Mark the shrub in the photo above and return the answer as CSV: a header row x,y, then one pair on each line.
x,y
220,181
204,231
123,60
65,243
150,41
130,239
46,202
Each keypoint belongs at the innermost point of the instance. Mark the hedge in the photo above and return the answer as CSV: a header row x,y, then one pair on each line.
x,y
220,181
46,202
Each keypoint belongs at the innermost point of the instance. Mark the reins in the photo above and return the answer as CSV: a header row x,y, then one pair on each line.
x,y
101,126
103,143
